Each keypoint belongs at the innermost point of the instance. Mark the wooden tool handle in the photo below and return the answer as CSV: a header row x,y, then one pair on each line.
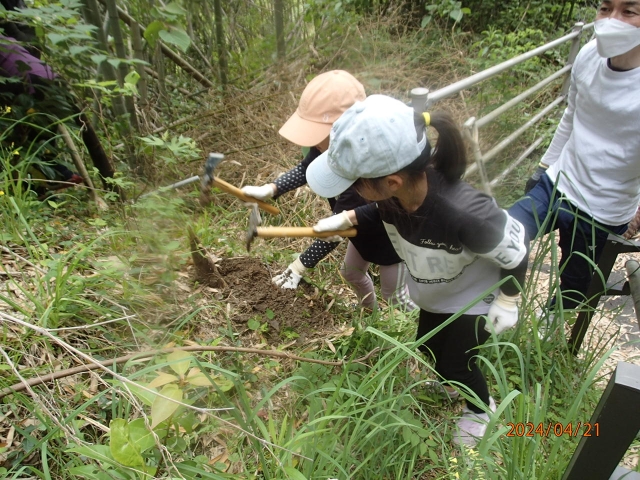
x,y
236,192
277,232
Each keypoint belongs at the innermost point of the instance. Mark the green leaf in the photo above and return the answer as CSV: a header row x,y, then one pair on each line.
x,y
100,453
269,313
163,408
175,8
132,77
98,59
151,32
179,361
144,396
56,38
425,21
76,49
177,37
456,15
434,457
294,474
422,448
197,378
140,435
163,379
253,324
90,472
97,222
115,62
122,449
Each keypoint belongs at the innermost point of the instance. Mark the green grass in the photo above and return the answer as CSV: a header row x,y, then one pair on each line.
x,y
104,284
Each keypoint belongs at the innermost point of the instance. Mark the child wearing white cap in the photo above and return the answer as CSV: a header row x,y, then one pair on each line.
x,y
465,255
323,100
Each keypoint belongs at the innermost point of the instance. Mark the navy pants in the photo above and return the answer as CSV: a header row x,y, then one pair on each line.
x,y
544,210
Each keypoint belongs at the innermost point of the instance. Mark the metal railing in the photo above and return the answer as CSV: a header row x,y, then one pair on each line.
x,y
422,99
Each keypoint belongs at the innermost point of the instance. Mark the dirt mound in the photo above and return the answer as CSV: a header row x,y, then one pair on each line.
x,y
258,306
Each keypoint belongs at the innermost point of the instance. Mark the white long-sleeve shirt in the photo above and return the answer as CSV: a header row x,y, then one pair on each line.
x,y
594,157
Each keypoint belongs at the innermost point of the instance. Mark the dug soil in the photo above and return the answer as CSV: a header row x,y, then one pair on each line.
x,y
244,285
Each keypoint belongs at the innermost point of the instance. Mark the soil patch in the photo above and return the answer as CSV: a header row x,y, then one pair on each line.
x,y
284,315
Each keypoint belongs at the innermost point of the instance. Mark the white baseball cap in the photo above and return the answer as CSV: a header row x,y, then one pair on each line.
x,y
372,139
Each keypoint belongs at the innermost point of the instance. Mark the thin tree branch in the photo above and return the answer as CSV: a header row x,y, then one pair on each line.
x,y
142,355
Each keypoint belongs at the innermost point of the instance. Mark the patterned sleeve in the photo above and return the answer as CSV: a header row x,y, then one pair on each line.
x,y
316,252
291,180
296,177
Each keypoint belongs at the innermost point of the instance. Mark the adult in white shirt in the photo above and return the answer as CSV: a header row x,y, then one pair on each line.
x,y
588,182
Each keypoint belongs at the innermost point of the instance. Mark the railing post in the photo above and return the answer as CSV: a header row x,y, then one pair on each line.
x,y
573,53
419,99
612,428
633,274
471,132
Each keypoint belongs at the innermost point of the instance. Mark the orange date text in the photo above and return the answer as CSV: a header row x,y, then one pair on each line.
x,y
557,429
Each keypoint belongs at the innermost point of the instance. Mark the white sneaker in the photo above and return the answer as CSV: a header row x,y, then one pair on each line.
x,y
472,426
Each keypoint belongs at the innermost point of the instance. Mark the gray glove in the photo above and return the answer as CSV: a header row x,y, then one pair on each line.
x,y
535,178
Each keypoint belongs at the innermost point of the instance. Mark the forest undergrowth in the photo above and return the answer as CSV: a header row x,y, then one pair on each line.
x,y
164,371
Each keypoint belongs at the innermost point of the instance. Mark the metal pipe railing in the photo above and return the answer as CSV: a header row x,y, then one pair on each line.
x,y
501,67
507,141
512,166
422,99
488,118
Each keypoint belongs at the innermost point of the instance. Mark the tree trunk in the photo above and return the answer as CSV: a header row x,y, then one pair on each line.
x,y
278,7
97,153
136,39
177,59
121,52
93,17
222,51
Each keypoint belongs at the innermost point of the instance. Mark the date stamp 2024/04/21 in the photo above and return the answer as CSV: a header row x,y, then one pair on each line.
x,y
557,429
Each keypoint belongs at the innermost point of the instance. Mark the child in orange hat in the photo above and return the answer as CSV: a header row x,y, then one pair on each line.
x,y
322,102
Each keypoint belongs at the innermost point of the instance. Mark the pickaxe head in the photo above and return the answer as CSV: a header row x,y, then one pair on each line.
x,y
254,222
209,166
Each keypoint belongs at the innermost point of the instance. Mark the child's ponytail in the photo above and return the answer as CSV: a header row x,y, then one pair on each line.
x,y
449,155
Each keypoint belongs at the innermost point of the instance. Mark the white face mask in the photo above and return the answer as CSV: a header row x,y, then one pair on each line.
x,y
615,37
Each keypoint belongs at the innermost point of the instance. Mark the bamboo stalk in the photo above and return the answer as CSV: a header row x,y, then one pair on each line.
x,y
92,15
220,43
155,75
278,8
166,51
77,160
138,54
121,52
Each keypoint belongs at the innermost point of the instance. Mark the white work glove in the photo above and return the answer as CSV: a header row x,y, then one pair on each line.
x,y
334,222
264,192
291,277
503,314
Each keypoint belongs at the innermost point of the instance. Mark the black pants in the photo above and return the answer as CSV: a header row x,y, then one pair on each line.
x,y
453,349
